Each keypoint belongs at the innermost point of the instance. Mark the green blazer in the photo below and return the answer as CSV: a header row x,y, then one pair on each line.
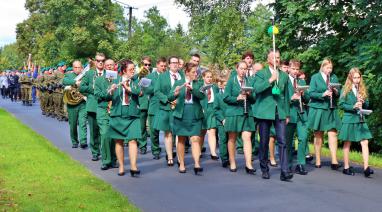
x,y
346,103
153,100
69,79
220,107
125,111
87,89
143,98
232,91
101,86
266,102
162,90
294,112
317,88
204,100
196,97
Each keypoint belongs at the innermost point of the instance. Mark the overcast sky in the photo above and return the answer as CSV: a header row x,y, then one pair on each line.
x,y
13,12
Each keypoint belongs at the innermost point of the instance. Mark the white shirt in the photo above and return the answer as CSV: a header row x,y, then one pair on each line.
x,y
354,90
238,79
324,76
292,79
185,95
178,77
99,72
123,92
212,96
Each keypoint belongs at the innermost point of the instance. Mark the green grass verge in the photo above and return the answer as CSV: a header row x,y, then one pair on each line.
x,y
375,160
36,176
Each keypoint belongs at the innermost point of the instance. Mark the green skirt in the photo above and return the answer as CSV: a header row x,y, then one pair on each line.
x,y
188,125
354,132
209,120
272,131
162,120
239,123
128,128
323,119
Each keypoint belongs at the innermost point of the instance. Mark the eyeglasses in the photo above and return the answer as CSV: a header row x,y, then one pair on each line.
x,y
147,64
100,61
174,62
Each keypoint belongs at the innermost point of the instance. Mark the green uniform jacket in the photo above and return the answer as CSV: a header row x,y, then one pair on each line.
x,y
69,79
162,90
232,91
87,89
143,99
196,97
294,114
153,100
101,86
220,107
204,100
266,102
317,88
347,103
123,111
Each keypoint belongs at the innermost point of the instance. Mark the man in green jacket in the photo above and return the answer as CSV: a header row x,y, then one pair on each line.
x,y
87,88
77,113
272,106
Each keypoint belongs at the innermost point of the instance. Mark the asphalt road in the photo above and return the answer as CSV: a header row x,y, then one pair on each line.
x,y
162,188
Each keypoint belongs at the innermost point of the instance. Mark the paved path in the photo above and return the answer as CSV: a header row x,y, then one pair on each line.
x,y
162,188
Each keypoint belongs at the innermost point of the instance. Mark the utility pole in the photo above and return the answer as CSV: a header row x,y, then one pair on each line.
x,y
130,8
130,19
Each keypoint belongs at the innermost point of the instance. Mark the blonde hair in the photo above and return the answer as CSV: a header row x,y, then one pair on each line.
x,y
325,62
349,82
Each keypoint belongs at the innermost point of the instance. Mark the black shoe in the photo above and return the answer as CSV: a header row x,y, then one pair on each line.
x,y
213,157
197,170
186,150
182,171
43,113
84,146
349,171
233,170
335,166
309,158
318,166
265,175
95,158
225,163
240,151
105,167
170,162
272,164
285,176
367,172
156,157
75,146
121,173
300,169
143,151
135,173
250,171
203,149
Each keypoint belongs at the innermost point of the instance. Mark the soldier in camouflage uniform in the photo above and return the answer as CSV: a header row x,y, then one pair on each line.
x,y
39,84
26,88
48,82
58,104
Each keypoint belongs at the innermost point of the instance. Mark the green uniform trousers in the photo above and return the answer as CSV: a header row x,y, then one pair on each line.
x,y
94,134
142,142
154,137
77,116
223,139
107,145
302,136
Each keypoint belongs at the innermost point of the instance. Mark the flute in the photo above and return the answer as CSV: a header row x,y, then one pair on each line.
x,y
361,119
119,84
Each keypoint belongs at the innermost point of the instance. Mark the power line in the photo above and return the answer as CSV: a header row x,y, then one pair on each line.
x,y
130,8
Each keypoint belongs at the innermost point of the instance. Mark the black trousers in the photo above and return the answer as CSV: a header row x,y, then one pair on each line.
x,y
4,92
264,130
13,93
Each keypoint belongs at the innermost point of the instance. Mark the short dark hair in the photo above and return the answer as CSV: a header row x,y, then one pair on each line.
x,y
248,54
295,62
161,59
196,55
189,67
271,50
285,63
125,63
171,57
148,58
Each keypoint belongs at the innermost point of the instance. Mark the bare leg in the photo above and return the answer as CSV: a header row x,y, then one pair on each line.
x,y
168,144
133,154
247,147
346,150
180,151
212,141
365,153
272,150
196,150
120,154
333,143
318,136
231,149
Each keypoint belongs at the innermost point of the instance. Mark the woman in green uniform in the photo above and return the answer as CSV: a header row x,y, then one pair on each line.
x,y
354,127
239,117
323,113
188,116
124,116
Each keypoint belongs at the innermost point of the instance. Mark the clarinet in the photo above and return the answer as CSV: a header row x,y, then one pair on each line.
x,y
361,118
245,100
331,97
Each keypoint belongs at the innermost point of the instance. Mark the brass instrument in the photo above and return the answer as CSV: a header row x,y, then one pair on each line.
x,y
143,72
72,95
